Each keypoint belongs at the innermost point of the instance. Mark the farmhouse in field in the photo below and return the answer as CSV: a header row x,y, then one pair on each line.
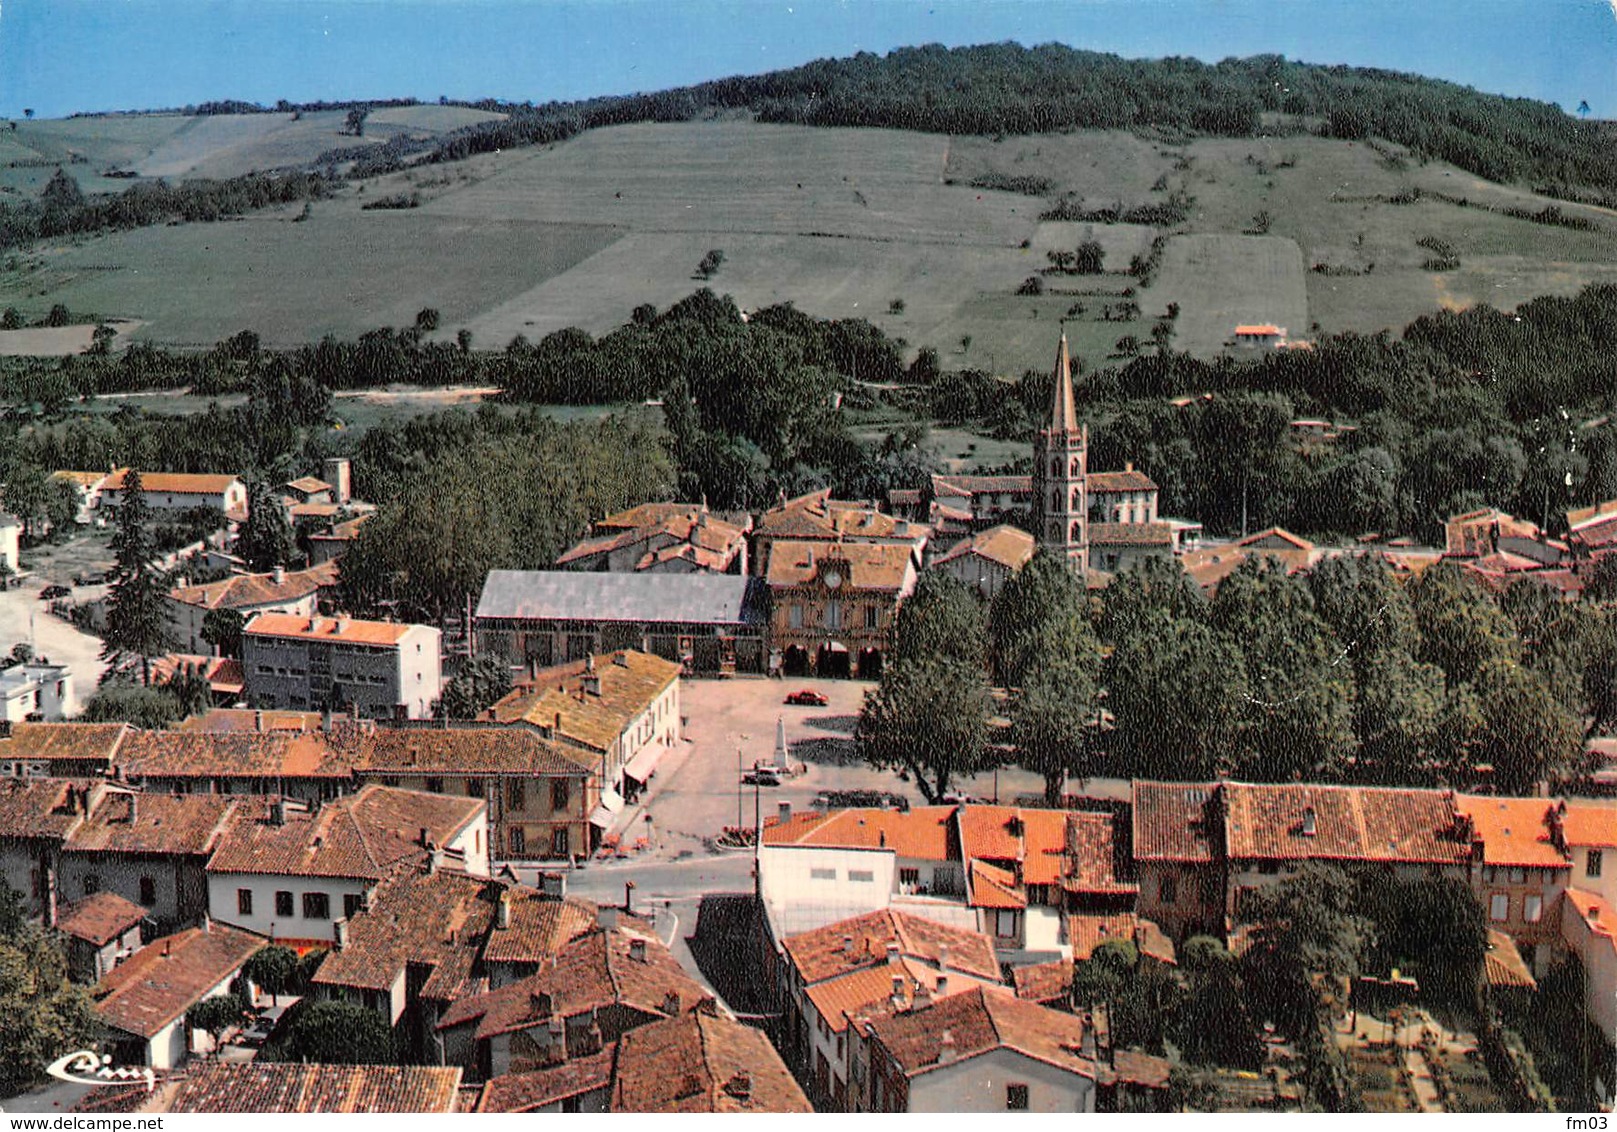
x,y
179,491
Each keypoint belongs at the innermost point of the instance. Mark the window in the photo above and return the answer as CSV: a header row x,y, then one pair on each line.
x,y
872,617
1499,907
911,877
833,614
1016,1098
863,876
516,794
92,885
352,902
244,901
560,792
822,874
283,903
794,616
559,846
1533,909
1005,924
519,842
1518,876
1168,891
1592,863
316,906
148,891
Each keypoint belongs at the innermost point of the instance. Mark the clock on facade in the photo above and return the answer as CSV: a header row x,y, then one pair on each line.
x,y
833,579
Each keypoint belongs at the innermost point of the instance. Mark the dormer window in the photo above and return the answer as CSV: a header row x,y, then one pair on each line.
x,y
1310,822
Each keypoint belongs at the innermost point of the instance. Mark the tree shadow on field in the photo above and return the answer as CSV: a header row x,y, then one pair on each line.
x,y
842,724
827,752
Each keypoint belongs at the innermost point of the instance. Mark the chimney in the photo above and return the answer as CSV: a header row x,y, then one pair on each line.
x,y
422,839
1310,822
847,945
946,1050
339,930
133,809
592,678
922,997
556,731
555,1024
207,924
278,812
637,950
279,574
620,658
943,986
672,1005
785,812
943,957
898,989
553,885
167,943
502,911
892,954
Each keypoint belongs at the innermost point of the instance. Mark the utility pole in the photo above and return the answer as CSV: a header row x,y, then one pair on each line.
x,y
739,775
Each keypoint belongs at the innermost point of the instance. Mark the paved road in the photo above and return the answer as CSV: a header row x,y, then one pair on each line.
x,y
23,617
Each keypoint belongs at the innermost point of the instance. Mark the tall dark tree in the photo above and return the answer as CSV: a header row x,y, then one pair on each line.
x,y
929,718
137,620
42,1014
266,540
475,688
942,619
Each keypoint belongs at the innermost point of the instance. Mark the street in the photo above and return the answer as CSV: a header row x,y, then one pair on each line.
x,y
23,618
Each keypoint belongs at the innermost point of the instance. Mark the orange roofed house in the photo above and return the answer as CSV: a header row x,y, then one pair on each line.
x,y
1013,874
382,669
178,491
294,874
834,973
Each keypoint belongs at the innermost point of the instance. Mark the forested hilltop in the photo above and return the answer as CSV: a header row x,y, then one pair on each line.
x,y
989,90
1009,89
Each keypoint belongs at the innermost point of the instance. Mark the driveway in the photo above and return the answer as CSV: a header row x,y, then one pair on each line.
x,y
23,617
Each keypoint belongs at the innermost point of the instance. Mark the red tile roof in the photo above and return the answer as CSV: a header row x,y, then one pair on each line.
x,y
345,630
64,742
99,919
1010,547
869,567
593,972
249,591
977,1022
702,1063
539,927
840,999
1270,822
861,941
365,835
1045,983
630,682
232,754
1088,930
925,833
128,822
162,981
266,1086
1172,821
1130,534
173,483
43,807
991,887
1127,480
1590,823
1095,856
468,750
524,1092
1513,831
438,920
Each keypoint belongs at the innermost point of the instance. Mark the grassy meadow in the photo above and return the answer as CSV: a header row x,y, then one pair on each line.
x,y
878,224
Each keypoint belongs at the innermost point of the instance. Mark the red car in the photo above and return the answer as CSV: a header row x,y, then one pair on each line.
x,y
807,698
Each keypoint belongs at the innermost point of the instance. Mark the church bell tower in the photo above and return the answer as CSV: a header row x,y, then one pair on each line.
x,y
1060,474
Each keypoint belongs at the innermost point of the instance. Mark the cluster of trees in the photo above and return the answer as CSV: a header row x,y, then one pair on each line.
x,y
461,494
1036,640
1310,932
1347,675
63,209
42,1014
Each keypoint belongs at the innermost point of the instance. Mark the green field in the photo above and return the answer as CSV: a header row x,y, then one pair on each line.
x,y
839,221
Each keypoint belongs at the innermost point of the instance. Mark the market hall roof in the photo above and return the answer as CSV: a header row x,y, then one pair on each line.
x,y
566,595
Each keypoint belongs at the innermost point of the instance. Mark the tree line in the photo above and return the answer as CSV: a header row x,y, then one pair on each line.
x,y
1347,675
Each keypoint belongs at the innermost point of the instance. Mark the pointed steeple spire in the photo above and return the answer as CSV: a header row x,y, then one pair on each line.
x,y
1063,416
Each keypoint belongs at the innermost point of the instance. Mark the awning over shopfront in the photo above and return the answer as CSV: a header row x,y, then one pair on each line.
x,y
611,803
641,766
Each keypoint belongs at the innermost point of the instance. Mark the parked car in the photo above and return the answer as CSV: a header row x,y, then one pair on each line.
x,y
807,697
52,592
762,776
95,578
861,799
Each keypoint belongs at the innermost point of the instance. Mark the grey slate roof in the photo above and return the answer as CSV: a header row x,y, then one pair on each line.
x,y
567,595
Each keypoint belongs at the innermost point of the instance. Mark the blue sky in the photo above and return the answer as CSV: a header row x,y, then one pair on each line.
x,y
63,56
